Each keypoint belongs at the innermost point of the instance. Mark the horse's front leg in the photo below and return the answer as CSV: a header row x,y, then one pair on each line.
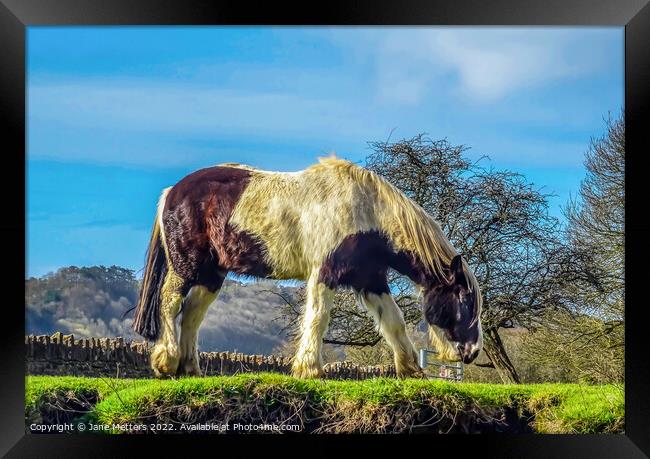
x,y
308,361
390,320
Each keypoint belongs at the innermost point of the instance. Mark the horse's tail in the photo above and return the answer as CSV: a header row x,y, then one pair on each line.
x,y
147,311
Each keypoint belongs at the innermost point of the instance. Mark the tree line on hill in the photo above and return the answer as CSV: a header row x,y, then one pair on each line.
x,y
95,301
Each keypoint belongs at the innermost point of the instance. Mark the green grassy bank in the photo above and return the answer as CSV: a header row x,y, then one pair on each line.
x,y
370,406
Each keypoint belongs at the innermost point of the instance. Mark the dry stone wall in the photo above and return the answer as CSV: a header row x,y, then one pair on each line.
x,y
60,354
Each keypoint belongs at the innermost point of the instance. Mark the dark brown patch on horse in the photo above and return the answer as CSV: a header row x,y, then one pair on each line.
x,y
408,264
361,262
202,245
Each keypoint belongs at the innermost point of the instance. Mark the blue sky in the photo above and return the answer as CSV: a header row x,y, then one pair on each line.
x,y
115,114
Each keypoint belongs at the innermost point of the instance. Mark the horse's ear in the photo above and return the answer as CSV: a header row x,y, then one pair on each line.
x,y
458,271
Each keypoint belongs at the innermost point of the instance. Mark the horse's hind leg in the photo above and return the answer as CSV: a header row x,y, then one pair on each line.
x,y
308,362
194,310
165,354
390,320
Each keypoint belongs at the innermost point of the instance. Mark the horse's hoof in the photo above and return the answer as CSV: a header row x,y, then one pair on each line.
x,y
419,374
410,371
307,372
163,362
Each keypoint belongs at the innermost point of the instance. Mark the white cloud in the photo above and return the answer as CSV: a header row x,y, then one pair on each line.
x,y
482,65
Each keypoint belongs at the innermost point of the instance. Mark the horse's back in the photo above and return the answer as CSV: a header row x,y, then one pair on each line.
x,y
302,216
233,217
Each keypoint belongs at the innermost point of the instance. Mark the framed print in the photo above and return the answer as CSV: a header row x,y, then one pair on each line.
x,y
327,225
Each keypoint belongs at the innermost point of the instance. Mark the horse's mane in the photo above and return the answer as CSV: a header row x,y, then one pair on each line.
x,y
409,225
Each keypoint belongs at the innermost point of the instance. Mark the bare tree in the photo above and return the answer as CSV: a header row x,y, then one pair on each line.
x,y
590,332
597,225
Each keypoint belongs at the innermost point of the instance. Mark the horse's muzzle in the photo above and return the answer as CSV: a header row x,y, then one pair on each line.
x,y
468,352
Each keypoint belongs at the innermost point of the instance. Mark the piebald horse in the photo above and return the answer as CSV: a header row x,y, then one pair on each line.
x,y
333,225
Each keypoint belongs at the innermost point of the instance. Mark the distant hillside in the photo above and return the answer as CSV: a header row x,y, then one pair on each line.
x,y
90,301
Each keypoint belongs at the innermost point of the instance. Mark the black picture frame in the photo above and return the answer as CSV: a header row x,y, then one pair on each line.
x,y
16,15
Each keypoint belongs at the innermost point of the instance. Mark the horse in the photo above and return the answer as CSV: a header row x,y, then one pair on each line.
x,y
333,225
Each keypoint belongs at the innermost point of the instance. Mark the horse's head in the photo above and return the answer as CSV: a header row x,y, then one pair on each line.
x,y
452,311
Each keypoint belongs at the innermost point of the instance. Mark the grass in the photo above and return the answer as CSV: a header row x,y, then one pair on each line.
x,y
376,405
63,398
